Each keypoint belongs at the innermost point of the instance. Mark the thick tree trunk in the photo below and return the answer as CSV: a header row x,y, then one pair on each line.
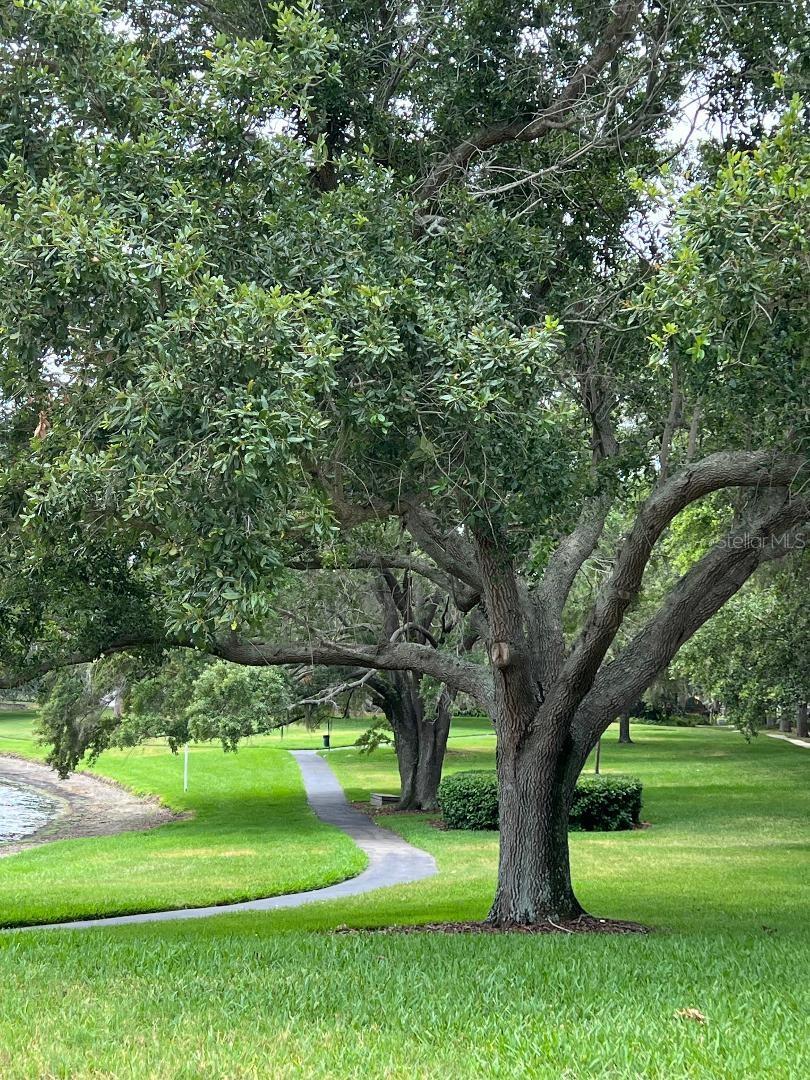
x,y
536,771
784,721
624,728
406,747
420,742
534,872
432,733
801,720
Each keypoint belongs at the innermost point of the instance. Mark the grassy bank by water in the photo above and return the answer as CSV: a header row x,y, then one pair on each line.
x,y
252,834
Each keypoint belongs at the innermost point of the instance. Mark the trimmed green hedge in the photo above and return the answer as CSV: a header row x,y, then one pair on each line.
x,y
469,800
605,804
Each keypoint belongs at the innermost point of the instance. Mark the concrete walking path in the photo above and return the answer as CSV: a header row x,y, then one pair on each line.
x,y
391,860
787,738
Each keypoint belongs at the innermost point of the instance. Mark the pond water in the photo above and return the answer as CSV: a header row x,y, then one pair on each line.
x,y
23,810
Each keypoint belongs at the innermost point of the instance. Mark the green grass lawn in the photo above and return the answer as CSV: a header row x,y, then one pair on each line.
x,y
728,843
252,834
722,874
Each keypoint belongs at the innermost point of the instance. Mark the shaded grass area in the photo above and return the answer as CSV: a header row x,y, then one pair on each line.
x,y
233,999
252,835
722,873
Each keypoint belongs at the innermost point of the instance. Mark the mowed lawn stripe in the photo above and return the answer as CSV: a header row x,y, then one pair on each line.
x,y
722,874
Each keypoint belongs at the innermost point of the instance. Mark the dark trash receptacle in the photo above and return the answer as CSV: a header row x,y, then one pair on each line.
x,y
326,742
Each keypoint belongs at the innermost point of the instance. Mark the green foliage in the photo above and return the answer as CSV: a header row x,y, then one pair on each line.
x,y
661,719
181,698
753,657
376,735
158,704
72,720
235,304
605,804
469,800
731,300
230,702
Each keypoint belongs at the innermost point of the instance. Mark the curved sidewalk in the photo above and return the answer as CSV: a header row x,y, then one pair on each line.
x,y
391,860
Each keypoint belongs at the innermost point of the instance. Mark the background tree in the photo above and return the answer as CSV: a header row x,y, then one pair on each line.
x,y
418,709
753,657
182,697
408,599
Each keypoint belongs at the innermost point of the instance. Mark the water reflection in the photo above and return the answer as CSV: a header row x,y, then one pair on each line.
x,y
23,811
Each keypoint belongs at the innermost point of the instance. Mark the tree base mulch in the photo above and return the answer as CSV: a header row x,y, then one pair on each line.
x,y
442,826
584,924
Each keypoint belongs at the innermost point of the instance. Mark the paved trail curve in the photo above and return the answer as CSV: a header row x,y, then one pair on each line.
x,y
391,860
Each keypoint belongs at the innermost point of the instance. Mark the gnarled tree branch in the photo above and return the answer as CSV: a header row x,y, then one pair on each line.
x,y
550,119
469,678
728,469
698,595
450,551
35,668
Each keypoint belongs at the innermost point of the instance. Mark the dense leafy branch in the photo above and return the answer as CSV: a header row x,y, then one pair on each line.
x,y
550,119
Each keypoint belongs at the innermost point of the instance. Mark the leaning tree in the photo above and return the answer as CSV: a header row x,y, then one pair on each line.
x,y
274,277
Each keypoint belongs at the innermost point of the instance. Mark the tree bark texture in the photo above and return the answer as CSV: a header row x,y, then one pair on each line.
x,y
420,742
534,871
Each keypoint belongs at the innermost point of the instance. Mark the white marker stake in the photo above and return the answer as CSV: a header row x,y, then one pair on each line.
x,y
185,767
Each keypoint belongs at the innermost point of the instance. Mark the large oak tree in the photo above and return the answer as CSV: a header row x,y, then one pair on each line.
x,y
273,278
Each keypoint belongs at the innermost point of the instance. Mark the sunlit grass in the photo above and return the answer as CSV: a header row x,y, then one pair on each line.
x,y
727,847
252,834
232,998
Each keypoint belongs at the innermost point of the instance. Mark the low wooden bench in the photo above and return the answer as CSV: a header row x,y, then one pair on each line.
x,y
379,799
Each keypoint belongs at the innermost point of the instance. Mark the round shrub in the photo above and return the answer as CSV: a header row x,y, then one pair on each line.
x,y
469,800
605,804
